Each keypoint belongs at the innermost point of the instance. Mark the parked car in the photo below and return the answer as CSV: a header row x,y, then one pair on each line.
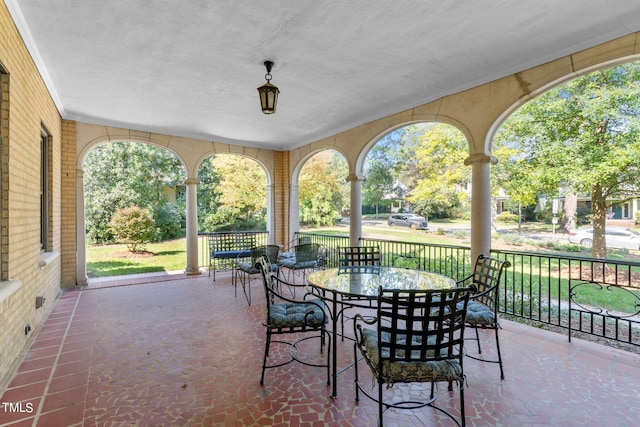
x,y
408,220
616,237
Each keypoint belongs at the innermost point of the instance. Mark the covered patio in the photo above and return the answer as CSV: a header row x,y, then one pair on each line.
x,y
180,349
172,350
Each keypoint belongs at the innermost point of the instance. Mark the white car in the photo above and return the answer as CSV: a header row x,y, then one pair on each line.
x,y
616,237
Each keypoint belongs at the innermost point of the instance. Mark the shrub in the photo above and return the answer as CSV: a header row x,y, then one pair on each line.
x,y
132,226
459,234
507,217
570,247
513,239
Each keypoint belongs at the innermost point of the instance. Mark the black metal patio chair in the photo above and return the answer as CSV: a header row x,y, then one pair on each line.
x,y
304,259
416,337
353,257
482,312
246,266
289,316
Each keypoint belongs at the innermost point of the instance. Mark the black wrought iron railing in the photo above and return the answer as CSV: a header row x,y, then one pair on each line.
x,y
578,294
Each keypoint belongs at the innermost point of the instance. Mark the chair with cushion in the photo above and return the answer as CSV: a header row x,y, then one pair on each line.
x,y
416,337
482,312
305,258
289,316
247,267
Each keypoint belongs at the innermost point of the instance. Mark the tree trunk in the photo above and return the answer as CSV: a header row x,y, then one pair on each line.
x,y
599,210
494,215
570,207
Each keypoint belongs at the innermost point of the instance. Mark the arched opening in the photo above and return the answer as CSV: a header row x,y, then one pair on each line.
x,y
323,191
418,168
570,156
121,175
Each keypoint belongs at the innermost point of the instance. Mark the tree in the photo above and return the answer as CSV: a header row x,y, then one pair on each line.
x,y
439,180
322,188
243,190
208,194
381,170
122,174
581,137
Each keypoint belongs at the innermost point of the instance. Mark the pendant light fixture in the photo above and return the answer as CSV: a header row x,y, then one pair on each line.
x,y
268,92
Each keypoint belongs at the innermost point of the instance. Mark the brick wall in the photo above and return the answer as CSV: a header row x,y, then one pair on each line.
x,y
281,196
26,110
68,204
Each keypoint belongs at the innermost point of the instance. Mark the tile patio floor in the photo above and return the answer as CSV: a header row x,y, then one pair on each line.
x,y
182,351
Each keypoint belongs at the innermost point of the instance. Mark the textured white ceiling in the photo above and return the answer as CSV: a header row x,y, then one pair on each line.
x,y
191,67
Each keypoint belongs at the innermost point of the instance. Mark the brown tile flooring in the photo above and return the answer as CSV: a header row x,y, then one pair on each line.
x,y
182,351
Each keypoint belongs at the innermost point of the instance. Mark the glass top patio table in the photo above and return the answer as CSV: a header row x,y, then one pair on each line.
x,y
358,286
363,281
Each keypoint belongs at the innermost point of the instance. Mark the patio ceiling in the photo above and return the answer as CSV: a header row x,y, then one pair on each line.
x,y
191,68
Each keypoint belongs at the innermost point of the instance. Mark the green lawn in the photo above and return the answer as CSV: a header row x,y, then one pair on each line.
x,y
116,260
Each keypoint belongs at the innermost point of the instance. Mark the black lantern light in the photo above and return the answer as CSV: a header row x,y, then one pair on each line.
x,y
268,92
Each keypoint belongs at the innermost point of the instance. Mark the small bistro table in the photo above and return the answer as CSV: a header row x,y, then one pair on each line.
x,y
357,286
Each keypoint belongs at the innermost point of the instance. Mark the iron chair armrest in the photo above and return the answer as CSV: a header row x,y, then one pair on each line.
x,y
462,283
277,281
358,320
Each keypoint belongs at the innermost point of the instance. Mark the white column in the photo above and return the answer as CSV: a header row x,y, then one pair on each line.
x,y
192,226
81,245
480,204
355,210
294,211
270,219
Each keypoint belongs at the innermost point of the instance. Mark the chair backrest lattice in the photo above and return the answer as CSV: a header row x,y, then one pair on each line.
x,y
307,252
486,278
421,326
268,274
271,251
359,255
304,240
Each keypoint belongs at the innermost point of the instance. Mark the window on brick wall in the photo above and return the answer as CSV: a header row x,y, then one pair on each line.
x,y
45,192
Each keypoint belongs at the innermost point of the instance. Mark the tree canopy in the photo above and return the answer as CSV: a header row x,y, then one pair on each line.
x,y
581,137
118,175
323,190
440,178
232,193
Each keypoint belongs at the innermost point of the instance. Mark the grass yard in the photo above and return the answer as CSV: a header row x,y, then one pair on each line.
x,y
116,260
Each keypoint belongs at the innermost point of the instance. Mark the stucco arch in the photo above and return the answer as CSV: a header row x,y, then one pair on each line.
x,y
190,152
550,85
296,166
270,217
299,164
362,156
82,156
260,162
